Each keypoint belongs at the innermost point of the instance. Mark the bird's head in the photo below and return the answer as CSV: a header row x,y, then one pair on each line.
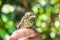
x,y
30,15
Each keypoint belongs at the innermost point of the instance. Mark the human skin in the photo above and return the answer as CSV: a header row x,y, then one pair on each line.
x,y
25,34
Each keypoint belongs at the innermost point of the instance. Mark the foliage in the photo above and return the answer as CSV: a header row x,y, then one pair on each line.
x,y
47,17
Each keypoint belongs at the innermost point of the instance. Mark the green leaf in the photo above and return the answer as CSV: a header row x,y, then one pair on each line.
x,y
41,10
3,34
4,18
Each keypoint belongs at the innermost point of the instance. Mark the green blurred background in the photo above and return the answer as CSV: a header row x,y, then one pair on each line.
x,y
47,17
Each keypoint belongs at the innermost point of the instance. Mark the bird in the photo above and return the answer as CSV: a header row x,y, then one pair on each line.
x,y
27,20
25,30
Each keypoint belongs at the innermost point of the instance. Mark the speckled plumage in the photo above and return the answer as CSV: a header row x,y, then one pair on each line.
x,y
27,20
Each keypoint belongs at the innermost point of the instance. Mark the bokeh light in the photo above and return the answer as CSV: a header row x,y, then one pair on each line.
x,y
7,8
47,17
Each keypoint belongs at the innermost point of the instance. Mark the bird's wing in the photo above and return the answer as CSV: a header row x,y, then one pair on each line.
x,y
21,22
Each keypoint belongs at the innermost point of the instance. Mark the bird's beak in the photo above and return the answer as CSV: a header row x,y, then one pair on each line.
x,y
32,17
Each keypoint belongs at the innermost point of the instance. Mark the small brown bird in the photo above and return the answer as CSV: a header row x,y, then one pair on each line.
x,y
27,20
25,32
